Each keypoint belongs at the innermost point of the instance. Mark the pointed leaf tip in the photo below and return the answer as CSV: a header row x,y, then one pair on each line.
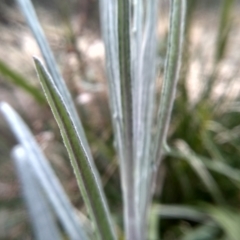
x,y
4,107
36,59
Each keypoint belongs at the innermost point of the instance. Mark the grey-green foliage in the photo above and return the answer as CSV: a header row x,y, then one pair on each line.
x,y
124,59
44,224
43,173
69,123
130,41
129,33
212,219
32,21
199,167
20,81
228,220
82,162
207,231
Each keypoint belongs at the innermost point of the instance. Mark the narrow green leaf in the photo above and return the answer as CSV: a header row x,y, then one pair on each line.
x,y
108,14
45,174
212,164
207,231
162,211
41,217
82,162
20,81
224,27
171,74
32,20
125,67
128,167
206,178
145,98
143,66
198,166
228,220
186,58
136,37
180,212
221,168
212,147
29,13
125,75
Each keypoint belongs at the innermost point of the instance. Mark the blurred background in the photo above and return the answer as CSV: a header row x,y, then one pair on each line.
x,y
205,122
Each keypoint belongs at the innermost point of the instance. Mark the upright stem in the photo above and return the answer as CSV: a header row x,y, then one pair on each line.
x,y
130,215
171,75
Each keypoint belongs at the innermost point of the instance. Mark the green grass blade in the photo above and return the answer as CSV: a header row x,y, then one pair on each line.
x,y
213,165
228,220
82,162
211,146
20,81
208,231
201,170
223,169
180,212
45,174
185,67
224,27
41,217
